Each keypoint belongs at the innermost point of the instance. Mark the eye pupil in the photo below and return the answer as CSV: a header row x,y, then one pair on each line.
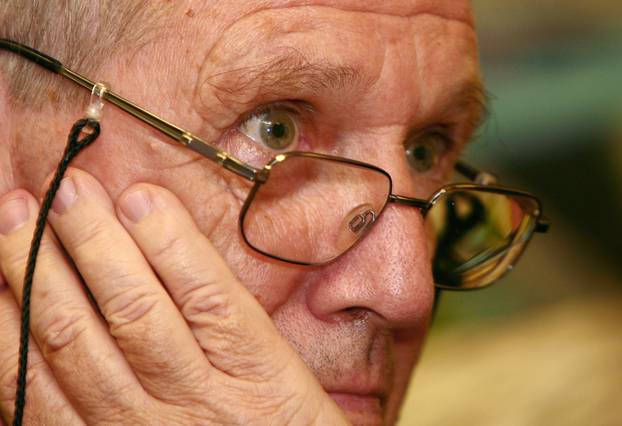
x,y
277,130
421,153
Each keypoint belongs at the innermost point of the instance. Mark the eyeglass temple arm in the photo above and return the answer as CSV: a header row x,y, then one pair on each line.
x,y
485,178
197,144
474,174
179,135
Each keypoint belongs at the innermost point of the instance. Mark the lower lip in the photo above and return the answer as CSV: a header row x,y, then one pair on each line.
x,y
369,404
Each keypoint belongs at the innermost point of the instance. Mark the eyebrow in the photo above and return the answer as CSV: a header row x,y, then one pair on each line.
x,y
294,73
474,98
291,72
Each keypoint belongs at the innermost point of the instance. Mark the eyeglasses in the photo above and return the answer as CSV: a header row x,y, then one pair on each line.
x,y
308,208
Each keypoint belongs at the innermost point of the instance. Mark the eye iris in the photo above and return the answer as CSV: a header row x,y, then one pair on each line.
x,y
422,153
277,130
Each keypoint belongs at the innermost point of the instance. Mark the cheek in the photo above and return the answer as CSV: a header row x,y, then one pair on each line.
x,y
272,284
213,197
270,281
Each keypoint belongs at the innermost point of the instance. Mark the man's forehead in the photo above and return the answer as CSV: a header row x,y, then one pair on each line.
x,y
309,50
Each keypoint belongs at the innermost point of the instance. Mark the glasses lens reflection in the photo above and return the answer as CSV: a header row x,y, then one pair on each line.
x,y
477,235
312,209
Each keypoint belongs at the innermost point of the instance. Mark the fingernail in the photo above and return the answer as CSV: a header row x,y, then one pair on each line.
x,y
13,214
136,205
65,196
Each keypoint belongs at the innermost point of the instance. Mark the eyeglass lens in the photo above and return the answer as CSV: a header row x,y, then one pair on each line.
x,y
478,235
311,210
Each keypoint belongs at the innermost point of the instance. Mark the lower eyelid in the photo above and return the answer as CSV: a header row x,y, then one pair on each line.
x,y
240,146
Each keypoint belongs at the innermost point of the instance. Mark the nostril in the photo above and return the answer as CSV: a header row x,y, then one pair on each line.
x,y
356,312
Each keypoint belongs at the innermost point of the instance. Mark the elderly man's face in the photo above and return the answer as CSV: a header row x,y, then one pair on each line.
x,y
359,79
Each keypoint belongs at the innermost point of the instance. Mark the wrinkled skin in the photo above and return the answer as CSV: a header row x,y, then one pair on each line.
x,y
358,323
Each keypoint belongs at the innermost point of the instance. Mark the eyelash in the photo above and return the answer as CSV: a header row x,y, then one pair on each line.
x,y
287,106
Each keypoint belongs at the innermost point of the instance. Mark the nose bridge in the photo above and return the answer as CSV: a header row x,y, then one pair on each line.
x,y
402,285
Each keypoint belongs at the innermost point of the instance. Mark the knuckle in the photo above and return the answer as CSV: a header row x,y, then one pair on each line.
x,y
61,330
12,263
207,302
171,244
130,309
92,232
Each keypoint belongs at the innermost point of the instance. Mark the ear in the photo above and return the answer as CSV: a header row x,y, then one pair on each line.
x,y
6,143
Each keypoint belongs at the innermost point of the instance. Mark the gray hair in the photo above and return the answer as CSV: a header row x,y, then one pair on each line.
x,y
82,34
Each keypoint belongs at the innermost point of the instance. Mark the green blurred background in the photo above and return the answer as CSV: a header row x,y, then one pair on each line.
x,y
544,346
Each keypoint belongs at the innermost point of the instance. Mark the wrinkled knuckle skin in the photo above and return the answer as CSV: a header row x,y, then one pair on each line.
x,y
207,304
91,233
130,310
61,331
170,246
12,262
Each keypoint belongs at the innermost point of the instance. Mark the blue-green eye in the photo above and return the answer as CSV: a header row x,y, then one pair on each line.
x,y
424,151
273,128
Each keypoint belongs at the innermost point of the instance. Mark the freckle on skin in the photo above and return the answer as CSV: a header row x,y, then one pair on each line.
x,y
190,13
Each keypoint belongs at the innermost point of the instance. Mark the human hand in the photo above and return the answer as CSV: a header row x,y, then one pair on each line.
x,y
179,340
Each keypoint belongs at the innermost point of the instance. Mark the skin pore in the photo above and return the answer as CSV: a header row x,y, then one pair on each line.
x,y
366,76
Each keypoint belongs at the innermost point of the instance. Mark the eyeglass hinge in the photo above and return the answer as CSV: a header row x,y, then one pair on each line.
x,y
237,167
185,139
484,178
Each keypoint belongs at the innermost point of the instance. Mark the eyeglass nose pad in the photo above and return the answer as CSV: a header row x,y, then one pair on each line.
x,y
355,225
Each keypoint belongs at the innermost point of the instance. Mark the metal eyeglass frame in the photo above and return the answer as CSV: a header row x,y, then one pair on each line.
x,y
483,181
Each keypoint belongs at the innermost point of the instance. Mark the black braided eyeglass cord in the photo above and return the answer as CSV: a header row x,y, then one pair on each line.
x,y
73,148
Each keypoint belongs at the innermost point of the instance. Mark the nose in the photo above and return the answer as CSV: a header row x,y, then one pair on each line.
x,y
388,273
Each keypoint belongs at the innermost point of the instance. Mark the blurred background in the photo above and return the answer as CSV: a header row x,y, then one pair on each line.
x,y
543,346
